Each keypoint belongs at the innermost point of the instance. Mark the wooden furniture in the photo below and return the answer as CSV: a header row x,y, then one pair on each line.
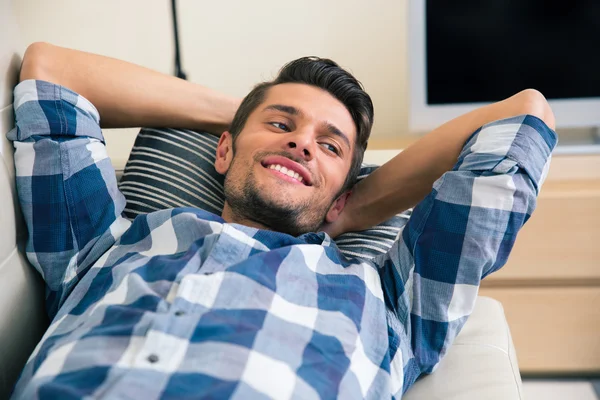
x,y
550,287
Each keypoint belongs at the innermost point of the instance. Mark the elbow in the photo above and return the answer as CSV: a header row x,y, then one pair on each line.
x,y
533,102
37,62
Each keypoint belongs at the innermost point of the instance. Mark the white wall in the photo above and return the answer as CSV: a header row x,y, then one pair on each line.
x,y
230,45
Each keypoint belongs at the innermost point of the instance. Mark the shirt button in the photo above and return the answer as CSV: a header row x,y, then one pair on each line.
x,y
152,358
179,313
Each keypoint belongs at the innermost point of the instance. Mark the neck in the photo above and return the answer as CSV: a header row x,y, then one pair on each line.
x,y
229,215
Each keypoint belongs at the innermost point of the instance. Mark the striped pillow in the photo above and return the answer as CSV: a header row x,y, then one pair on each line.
x,y
170,168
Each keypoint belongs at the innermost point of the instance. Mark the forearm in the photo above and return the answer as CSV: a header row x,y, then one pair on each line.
x,y
461,232
406,179
128,95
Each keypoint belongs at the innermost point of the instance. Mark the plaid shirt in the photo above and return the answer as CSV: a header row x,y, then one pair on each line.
x,y
181,304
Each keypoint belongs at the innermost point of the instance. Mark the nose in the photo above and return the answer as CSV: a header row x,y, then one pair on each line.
x,y
302,144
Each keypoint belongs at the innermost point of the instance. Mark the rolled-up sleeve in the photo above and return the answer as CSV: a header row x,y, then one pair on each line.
x,y
461,232
66,185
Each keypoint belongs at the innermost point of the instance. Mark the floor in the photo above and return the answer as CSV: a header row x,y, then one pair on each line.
x,y
567,389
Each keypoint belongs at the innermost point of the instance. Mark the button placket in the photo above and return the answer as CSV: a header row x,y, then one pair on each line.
x,y
162,351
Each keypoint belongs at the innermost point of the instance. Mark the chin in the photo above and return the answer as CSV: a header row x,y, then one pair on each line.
x,y
282,198
278,189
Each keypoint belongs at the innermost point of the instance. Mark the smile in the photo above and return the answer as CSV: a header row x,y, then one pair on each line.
x,y
285,171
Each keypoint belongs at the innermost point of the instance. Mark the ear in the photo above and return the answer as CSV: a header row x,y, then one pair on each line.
x,y
337,207
224,153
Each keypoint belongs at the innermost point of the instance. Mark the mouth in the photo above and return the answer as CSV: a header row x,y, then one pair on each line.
x,y
288,170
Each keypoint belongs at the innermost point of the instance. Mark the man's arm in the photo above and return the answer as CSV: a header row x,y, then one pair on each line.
x,y
406,179
67,188
66,184
128,95
461,232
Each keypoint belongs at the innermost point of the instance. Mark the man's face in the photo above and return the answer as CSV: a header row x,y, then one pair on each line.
x,y
290,160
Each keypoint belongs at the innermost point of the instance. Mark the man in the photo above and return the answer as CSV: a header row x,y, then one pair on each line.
x,y
255,303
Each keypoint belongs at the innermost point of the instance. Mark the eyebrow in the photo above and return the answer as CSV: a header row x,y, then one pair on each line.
x,y
286,109
296,112
332,129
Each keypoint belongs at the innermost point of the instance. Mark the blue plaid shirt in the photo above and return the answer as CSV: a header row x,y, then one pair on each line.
x,y
181,304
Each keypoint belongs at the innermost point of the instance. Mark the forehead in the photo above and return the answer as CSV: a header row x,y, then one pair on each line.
x,y
315,105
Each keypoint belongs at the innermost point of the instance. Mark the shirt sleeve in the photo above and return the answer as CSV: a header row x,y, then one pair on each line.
x,y
66,185
461,232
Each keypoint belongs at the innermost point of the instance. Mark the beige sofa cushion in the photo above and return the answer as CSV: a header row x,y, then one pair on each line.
x,y
482,363
22,315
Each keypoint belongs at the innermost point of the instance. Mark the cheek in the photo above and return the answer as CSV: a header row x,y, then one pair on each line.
x,y
335,176
254,137
248,150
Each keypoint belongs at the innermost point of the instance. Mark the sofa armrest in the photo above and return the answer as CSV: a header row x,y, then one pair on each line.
x,y
481,364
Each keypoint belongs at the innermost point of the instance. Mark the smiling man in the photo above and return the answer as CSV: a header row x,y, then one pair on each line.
x,y
258,302
303,139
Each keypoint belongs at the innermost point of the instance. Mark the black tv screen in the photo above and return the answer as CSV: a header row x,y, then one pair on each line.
x,y
487,50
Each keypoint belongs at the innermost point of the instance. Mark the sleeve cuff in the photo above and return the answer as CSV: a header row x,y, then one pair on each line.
x,y
525,140
44,108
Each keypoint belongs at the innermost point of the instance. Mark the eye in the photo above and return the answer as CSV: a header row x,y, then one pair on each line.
x,y
331,148
280,125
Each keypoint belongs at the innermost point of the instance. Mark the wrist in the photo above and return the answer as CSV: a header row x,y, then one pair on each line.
x,y
214,111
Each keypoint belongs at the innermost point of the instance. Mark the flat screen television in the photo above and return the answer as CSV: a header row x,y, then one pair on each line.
x,y
463,54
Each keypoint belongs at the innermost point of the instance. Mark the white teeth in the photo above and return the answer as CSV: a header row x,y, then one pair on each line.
x,y
286,171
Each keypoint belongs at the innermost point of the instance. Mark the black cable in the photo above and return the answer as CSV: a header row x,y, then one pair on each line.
x,y
178,71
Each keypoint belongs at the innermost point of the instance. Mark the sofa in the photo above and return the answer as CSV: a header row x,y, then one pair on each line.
x,y
481,364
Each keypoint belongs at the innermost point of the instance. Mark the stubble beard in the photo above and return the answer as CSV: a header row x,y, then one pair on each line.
x,y
247,202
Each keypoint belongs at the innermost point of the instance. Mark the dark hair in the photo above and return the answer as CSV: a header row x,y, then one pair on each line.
x,y
329,76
